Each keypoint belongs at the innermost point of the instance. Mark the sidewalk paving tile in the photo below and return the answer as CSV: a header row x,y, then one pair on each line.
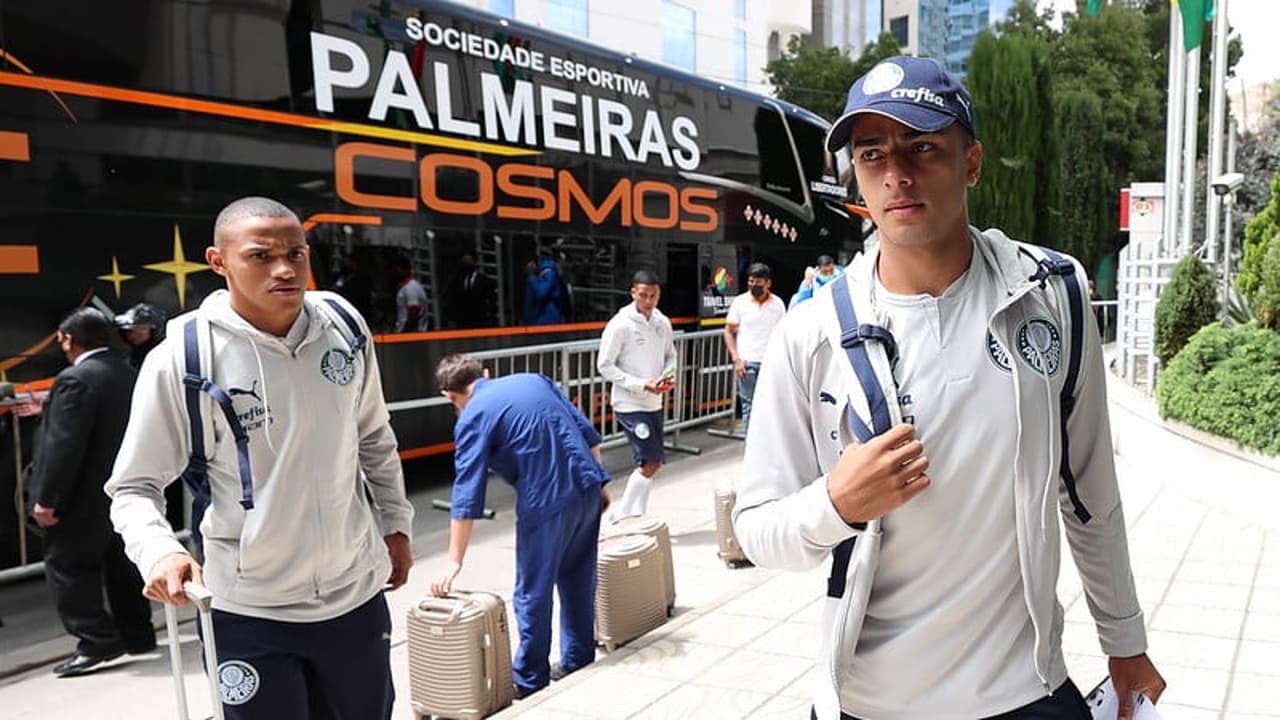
x,y
723,629
673,658
783,707
1207,595
1258,657
1219,623
1191,650
702,701
609,695
756,671
1263,627
790,638
1265,600
1251,693
1194,686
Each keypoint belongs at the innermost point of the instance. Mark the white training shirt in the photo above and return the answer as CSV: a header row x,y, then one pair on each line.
x,y
634,350
755,321
947,626
411,294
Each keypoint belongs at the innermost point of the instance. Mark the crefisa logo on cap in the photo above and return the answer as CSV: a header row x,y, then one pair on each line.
x,y
882,78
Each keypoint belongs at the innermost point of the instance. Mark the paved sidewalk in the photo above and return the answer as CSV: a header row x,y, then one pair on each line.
x,y
1206,551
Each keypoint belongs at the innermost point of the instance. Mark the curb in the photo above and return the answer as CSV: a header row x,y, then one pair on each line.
x,y
1143,405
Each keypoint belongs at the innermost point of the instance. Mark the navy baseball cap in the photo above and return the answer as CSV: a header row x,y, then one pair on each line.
x,y
917,92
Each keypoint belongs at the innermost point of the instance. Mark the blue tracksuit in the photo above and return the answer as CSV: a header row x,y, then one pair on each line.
x,y
525,430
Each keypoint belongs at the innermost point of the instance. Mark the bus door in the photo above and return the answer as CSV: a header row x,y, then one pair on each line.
x,y
719,278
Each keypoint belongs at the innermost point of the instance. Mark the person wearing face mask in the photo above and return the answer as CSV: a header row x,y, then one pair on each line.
x,y
815,277
751,320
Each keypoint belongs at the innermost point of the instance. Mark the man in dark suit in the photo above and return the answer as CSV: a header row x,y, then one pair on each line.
x,y
470,295
84,421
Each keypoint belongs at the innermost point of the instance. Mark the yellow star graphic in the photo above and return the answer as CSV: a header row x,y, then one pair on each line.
x,y
178,267
116,277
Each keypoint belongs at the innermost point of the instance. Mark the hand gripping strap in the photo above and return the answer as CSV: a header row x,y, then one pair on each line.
x,y
853,338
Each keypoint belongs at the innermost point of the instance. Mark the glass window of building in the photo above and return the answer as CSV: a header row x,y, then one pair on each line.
x,y
901,29
740,57
679,40
503,7
740,9
568,16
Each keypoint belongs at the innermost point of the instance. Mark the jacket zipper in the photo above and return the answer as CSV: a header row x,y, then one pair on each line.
x,y
1009,303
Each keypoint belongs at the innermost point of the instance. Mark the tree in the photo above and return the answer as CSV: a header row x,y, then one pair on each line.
x,y
1186,304
1259,234
1003,82
1024,19
1083,177
818,78
1107,56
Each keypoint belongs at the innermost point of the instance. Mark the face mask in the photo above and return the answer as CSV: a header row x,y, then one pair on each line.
x,y
757,291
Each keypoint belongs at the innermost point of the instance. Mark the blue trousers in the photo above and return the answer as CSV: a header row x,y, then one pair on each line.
x,y
337,669
746,391
556,553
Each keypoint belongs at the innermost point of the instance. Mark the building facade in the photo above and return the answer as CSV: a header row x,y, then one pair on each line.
x,y
725,40
942,29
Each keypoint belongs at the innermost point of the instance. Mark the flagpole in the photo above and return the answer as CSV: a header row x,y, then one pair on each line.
x,y
1172,135
1217,118
1191,132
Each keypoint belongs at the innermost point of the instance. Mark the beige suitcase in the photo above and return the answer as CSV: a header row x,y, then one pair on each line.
x,y
459,656
656,529
631,593
730,551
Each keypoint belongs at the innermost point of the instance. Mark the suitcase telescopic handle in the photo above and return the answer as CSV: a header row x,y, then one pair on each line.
x,y
203,601
199,595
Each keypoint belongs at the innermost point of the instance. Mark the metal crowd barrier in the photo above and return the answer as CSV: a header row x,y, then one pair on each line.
x,y
705,390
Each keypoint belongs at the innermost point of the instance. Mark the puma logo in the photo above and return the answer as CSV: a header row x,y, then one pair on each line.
x,y
251,392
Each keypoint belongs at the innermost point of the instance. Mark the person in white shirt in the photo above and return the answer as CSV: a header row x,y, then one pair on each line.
x,y
411,301
988,437
638,356
751,320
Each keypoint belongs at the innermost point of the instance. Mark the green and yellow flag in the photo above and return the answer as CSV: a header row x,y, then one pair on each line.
x,y
1195,13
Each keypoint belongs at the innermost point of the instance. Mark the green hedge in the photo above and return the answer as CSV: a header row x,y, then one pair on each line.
x,y
1227,381
1187,303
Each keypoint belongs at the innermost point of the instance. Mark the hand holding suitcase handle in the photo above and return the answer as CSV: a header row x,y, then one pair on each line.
x,y
199,596
170,575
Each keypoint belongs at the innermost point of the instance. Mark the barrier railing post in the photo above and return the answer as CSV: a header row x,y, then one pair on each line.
x,y
673,427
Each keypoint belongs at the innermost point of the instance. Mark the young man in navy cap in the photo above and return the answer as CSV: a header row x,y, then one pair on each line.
x,y
933,450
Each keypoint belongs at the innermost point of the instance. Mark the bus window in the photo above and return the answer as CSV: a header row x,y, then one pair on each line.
x,y
778,170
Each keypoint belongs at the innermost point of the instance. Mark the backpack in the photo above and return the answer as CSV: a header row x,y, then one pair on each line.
x,y
196,473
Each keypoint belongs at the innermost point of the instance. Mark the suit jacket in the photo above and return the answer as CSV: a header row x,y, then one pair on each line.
x,y
80,432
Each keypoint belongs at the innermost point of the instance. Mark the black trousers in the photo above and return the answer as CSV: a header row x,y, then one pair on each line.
x,y
78,570
1066,703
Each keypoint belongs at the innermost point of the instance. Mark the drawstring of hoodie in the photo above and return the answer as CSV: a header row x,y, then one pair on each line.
x,y
266,393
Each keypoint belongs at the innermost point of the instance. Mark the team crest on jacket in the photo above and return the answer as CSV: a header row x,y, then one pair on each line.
x,y
1040,345
338,367
238,682
999,356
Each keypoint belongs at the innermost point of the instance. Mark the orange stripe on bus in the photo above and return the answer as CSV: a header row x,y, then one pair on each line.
x,y
421,452
15,146
19,260
241,112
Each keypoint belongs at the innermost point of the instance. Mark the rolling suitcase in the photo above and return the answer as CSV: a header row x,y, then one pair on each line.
x,y
656,529
200,597
631,593
730,551
459,656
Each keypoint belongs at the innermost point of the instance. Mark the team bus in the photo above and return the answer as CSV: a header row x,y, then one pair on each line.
x,y
406,134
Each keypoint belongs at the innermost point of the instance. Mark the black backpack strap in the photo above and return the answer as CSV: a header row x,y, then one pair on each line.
x,y
1050,265
854,337
357,339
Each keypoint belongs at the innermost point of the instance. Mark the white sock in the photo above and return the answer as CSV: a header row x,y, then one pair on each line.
x,y
636,496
